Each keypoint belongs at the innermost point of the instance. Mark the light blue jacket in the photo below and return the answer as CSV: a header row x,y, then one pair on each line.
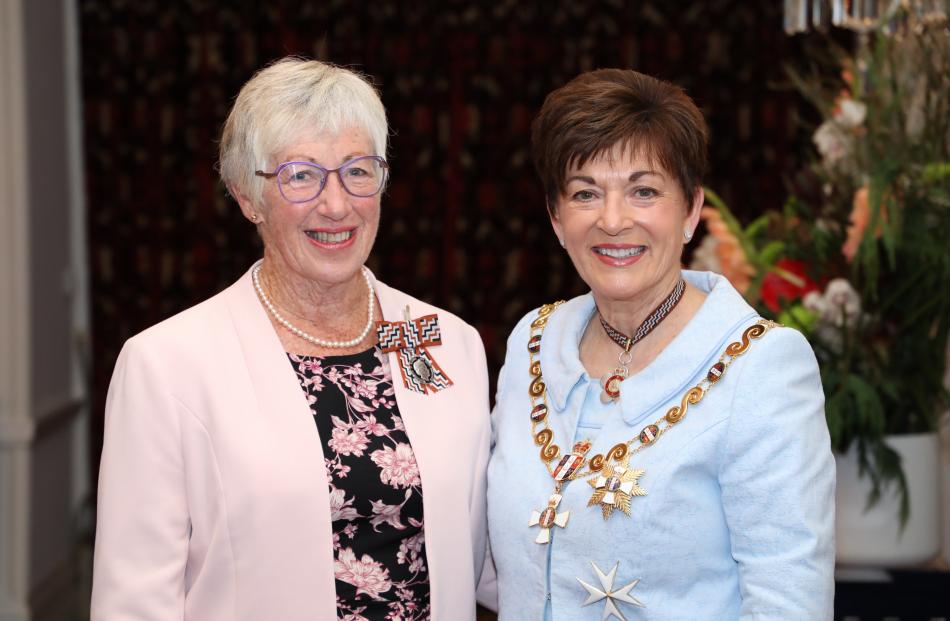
x,y
738,520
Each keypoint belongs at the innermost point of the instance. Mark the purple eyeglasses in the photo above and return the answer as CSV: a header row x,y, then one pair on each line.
x,y
300,182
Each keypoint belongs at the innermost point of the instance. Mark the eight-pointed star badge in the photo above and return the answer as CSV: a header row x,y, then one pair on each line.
x,y
607,592
614,487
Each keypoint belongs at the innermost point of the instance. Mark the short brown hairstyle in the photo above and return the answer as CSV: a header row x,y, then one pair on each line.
x,y
599,109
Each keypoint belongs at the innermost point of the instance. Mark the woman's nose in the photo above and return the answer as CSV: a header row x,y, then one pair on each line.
x,y
333,201
616,215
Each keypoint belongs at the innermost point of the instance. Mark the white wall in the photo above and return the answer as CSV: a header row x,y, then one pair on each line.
x,y
16,428
43,304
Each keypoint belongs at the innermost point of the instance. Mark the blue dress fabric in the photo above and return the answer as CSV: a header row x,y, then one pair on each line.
x,y
738,520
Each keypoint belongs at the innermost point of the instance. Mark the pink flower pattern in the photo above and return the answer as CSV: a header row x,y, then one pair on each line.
x,y
348,443
365,574
398,466
375,487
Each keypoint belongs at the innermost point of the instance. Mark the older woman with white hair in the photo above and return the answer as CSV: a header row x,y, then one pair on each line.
x,y
309,443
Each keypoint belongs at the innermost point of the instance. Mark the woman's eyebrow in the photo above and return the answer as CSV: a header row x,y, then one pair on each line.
x,y
634,176
581,178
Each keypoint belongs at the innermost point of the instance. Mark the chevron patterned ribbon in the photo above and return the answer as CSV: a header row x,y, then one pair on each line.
x,y
411,339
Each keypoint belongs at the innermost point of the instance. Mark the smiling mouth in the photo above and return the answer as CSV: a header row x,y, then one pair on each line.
x,y
325,237
620,253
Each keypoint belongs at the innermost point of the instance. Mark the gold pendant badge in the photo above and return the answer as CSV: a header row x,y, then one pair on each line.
x,y
614,486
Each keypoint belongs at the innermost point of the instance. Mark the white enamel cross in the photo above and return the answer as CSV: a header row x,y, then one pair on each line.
x,y
548,518
626,486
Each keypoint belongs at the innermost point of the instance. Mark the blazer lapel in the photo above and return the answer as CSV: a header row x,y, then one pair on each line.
x,y
413,406
430,436
308,558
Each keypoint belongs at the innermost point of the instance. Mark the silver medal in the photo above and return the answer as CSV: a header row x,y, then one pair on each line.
x,y
421,369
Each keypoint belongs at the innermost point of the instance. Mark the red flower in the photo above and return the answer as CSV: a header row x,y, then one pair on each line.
x,y
789,283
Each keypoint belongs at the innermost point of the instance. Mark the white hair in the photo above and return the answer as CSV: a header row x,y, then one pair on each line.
x,y
290,97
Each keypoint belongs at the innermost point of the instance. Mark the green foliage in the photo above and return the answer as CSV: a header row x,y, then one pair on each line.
x,y
884,163
884,375
760,251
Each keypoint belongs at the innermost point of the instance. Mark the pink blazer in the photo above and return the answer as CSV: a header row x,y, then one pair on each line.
x,y
213,497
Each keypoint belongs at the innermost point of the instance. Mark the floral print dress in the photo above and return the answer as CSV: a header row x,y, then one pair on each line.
x,y
375,489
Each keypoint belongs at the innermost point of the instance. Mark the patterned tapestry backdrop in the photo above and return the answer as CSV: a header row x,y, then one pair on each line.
x,y
463,221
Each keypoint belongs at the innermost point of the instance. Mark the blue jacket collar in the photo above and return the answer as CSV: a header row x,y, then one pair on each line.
x,y
702,340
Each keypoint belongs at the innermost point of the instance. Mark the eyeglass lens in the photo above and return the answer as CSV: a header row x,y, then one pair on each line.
x,y
301,181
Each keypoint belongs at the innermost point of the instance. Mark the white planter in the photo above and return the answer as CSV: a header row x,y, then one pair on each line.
x,y
874,537
945,481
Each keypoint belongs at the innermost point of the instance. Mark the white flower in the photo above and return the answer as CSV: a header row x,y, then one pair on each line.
x,y
843,302
834,138
850,114
832,142
838,306
814,302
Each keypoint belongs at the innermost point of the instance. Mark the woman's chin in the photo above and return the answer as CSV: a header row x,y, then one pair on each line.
x,y
619,285
322,270
616,293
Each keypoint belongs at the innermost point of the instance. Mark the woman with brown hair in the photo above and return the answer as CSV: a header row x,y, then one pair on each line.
x,y
660,451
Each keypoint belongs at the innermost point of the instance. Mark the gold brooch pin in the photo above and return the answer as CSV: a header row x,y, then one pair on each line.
x,y
614,486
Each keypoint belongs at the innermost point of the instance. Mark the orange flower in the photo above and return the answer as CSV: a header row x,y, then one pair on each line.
x,y
858,222
844,94
847,76
732,260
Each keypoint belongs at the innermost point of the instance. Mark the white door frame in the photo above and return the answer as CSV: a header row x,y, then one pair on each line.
x,y
16,421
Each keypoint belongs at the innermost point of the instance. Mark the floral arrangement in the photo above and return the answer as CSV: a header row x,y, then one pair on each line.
x,y
859,258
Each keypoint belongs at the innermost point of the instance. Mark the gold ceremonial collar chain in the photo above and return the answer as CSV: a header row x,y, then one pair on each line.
x,y
614,483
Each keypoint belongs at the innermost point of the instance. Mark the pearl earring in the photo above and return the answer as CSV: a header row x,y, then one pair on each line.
x,y
687,234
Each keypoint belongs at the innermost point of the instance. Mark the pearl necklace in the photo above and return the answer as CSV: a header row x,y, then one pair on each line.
x,y
370,308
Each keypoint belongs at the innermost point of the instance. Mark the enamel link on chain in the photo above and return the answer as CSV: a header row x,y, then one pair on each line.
x,y
538,391
651,433
613,484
